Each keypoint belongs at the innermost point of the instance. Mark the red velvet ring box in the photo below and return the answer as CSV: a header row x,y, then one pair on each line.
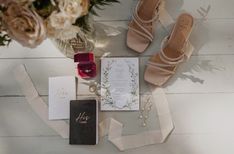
x,y
86,64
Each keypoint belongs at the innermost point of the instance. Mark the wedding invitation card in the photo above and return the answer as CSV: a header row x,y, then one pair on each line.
x,y
119,84
61,91
83,122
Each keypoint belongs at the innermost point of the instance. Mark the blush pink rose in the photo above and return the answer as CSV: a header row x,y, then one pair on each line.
x,y
24,25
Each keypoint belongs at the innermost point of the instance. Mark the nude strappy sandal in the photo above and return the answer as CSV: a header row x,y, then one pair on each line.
x,y
162,66
141,28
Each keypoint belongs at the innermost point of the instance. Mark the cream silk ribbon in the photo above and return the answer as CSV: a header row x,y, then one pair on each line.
x,y
114,128
37,103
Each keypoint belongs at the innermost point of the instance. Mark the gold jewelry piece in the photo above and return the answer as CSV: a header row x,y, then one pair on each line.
x,y
94,87
144,111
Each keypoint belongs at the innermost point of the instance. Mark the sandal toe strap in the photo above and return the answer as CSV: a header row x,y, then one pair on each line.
x,y
160,67
137,17
146,34
141,23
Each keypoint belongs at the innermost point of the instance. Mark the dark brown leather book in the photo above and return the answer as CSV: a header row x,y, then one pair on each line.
x,y
83,122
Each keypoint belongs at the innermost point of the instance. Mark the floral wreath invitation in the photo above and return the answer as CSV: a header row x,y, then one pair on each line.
x,y
119,84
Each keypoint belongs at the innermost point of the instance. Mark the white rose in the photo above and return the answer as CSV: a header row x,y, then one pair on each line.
x,y
60,20
24,25
69,11
72,8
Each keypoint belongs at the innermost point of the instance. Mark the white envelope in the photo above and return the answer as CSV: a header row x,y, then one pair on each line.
x,y
61,91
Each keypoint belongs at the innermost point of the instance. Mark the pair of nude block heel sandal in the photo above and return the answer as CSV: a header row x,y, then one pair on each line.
x,y
162,66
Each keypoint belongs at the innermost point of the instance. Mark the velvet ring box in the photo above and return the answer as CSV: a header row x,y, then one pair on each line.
x,y
86,64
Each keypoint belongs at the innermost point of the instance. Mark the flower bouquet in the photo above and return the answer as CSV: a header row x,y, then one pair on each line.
x,y
30,22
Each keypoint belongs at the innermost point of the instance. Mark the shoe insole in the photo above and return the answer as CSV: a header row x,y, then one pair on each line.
x,y
179,36
177,40
147,9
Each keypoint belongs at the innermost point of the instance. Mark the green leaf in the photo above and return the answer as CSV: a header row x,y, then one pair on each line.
x,y
82,22
2,8
5,40
99,4
44,8
94,12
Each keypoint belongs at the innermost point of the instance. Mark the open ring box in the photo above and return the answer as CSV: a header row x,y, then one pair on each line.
x,y
86,64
